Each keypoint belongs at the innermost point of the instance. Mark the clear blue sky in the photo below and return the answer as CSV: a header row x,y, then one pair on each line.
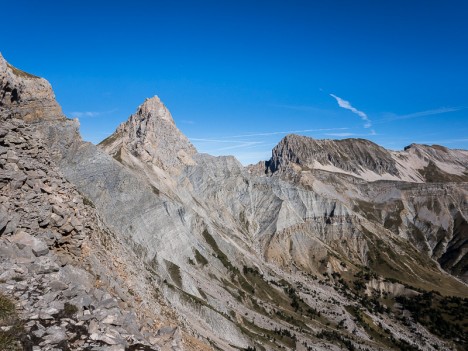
x,y
238,75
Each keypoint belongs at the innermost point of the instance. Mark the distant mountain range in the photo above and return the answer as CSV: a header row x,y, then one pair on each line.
x,y
142,243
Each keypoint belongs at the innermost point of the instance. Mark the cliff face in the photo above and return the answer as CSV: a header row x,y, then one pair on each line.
x,y
311,250
26,96
352,156
150,135
366,160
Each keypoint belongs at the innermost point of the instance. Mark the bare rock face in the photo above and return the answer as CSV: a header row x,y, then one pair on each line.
x,y
366,160
349,155
26,96
419,193
435,164
150,135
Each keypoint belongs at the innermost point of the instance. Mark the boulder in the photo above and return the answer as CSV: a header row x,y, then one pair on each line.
x,y
23,239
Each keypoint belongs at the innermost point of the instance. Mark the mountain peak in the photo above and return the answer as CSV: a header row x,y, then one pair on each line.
x,y
150,135
154,108
352,156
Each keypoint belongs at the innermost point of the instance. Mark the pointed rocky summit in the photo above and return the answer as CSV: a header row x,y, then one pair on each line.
x,y
151,135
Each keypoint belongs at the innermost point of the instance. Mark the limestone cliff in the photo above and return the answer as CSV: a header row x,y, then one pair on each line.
x,y
366,160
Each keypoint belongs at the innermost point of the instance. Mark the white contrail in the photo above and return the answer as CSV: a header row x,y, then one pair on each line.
x,y
347,105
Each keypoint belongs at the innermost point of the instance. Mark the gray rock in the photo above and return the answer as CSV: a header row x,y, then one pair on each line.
x,y
40,249
57,285
11,225
4,218
114,348
109,303
166,330
82,300
55,334
112,319
22,239
93,327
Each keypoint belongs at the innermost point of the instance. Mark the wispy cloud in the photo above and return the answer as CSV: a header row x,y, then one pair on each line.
x,y
186,121
255,134
91,114
249,146
79,114
347,105
346,134
235,144
222,143
340,134
244,145
251,157
425,113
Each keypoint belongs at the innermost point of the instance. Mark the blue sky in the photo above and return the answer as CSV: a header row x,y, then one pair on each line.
x,y
239,75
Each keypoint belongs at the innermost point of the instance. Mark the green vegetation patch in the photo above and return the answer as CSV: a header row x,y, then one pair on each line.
x,y
174,272
21,73
393,219
423,272
118,155
200,258
10,338
109,140
220,255
334,336
434,174
68,311
444,316
7,307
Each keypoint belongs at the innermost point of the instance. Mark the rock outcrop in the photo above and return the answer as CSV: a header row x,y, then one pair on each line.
x,y
26,96
366,160
352,156
151,135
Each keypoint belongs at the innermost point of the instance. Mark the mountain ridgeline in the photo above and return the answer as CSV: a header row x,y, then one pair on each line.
x,y
329,245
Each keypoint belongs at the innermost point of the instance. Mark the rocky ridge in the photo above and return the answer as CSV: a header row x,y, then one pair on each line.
x,y
419,193
299,258
55,253
366,160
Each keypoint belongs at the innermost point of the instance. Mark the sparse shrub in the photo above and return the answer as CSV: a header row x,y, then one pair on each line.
x,y
200,258
10,338
7,307
69,310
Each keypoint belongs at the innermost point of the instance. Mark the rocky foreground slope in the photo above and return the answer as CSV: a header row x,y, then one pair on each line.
x,y
144,243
